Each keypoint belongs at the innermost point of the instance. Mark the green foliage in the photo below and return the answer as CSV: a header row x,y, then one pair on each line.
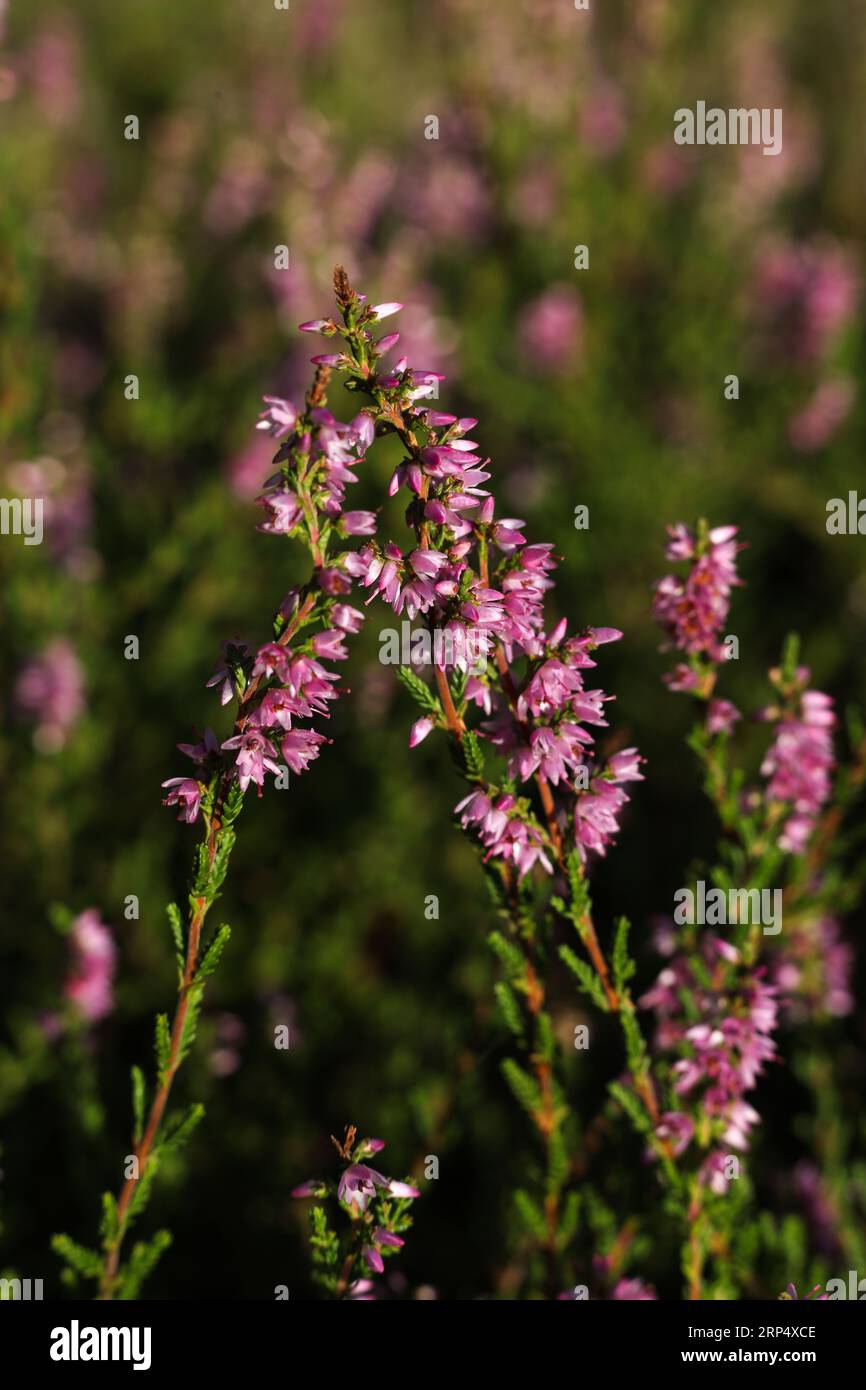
x,y
790,657
176,923
545,1044
195,995
162,1044
509,1008
138,1102
524,1088
420,691
79,1259
325,1248
201,875
623,966
632,1106
557,1162
224,845
508,954
570,1217
635,1046
109,1224
531,1215
175,1134
473,756
212,956
179,1128
143,1259
329,882
586,978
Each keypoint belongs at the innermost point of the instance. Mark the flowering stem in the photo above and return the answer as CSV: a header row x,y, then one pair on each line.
x,y
587,933
695,1249
455,723
160,1100
437,578
273,691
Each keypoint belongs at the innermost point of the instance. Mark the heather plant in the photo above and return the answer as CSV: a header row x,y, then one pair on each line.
x,y
719,998
272,690
543,802
378,1209
186,256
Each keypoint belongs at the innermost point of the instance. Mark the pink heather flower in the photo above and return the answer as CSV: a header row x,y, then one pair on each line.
x,y
402,1189
278,708
712,1173
805,294
624,766
551,328
279,418
333,581
384,311
682,679
479,693
815,424
385,344
94,955
313,1187
676,1129
185,793
358,523
236,654
451,202
202,753
373,1259
420,729
363,428
255,756
224,678
692,611
282,509
310,684
725,949
596,817
814,976
346,618
330,644
272,660
634,1290
383,1237
603,120
807,1297
301,747
503,832
359,1182
50,692
799,764
506,534
407,475
330,359
722,1056
721,716
554,753
361,1291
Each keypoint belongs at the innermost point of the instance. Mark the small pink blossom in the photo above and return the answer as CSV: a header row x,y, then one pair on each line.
x,y
279,418
185,793
94,956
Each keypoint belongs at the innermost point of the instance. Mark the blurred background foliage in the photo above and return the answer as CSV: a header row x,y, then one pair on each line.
x,y
602,387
